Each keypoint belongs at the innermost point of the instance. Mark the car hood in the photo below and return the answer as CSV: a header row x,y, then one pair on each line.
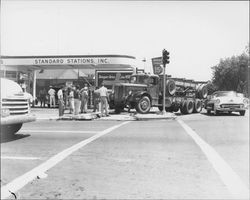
x,y
10,89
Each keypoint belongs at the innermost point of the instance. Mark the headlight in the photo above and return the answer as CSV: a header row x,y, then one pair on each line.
x,y
217,101
246,102
5,112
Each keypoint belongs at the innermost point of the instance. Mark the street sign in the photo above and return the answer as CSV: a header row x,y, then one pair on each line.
x,y
157,61
157,65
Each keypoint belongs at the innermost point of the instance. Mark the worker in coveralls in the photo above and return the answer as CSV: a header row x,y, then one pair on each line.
x,y
103,91
84,98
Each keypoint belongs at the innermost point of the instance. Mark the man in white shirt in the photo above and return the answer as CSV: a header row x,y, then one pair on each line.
x,y
103,91
52,99
60,101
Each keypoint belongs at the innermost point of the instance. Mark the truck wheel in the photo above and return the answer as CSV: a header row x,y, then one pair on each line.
x,y
169,109
242,113
175,107
160,108
202,91
170,87
182,107
188,107
10,129
118,109
197,106
144,105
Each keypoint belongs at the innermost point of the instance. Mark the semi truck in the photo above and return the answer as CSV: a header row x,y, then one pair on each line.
x,y
145,91
15,108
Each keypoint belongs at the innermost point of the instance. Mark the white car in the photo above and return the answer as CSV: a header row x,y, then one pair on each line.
x,y
226,101
15,107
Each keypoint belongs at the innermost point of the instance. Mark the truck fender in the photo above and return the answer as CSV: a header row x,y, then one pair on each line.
x,y
137,96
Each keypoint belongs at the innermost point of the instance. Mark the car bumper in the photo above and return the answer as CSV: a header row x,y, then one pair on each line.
x,y
230,109
17,119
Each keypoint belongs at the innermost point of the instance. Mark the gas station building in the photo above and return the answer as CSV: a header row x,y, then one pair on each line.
x,y
38,72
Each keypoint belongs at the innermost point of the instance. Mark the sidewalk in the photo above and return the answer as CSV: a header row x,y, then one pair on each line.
x,y
53,114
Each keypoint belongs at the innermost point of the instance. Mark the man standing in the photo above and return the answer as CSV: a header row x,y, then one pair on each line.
x,y
42,95
77,101
60,101
104,99
52,99
84,98
96,99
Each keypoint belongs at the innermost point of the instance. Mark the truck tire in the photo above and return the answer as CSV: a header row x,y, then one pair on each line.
x,y
169,109
160,108
118,109
197,106
182,107
242,113
10,130
202,91
170,87
144,105
176,107
187,107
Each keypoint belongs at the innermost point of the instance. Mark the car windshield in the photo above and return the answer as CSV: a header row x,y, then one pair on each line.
x,y
225,94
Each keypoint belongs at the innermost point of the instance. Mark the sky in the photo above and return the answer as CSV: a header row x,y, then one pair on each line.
x,y
196,33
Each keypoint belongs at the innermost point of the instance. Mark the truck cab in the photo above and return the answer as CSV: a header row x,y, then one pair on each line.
x,y
15,107
140,93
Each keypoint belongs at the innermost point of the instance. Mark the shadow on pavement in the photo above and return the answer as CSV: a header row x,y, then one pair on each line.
x,y
10,138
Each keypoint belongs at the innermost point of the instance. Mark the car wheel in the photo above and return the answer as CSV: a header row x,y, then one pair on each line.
x,y
242,113
10,129
216,112
144,105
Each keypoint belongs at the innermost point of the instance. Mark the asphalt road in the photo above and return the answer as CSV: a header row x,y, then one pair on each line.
x,y
192,157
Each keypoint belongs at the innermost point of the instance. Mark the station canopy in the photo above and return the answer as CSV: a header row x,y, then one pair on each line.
x,y
104,62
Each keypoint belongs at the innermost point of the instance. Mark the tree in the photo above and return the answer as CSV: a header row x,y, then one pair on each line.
x,y
232,73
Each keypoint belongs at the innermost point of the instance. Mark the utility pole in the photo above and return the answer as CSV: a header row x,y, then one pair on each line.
x,y
165,60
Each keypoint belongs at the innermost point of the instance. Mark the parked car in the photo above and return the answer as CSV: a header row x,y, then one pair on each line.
x,y
226,101
15,107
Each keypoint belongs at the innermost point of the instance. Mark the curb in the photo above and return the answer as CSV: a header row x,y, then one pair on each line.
x,y
96,116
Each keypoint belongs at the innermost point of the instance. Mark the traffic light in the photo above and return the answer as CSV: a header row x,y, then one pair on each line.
x,y
165,57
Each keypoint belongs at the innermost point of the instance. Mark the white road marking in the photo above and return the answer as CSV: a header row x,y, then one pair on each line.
x,y
21,181
56,131
19,158
232,181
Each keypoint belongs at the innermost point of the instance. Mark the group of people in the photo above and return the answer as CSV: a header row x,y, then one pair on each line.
x,y
76,99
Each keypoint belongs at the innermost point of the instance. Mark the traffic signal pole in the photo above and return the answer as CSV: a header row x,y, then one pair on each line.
x,y
165,60
164,89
